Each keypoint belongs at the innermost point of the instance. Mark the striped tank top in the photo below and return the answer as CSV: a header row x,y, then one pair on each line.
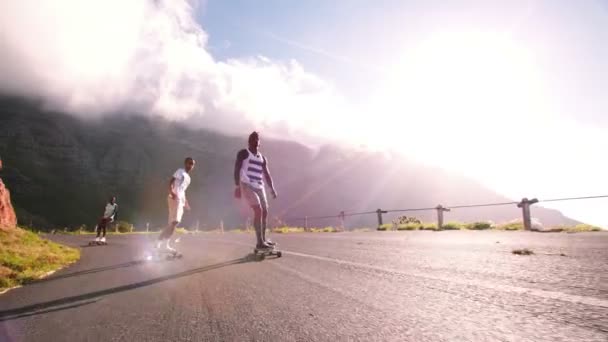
x,y
252,171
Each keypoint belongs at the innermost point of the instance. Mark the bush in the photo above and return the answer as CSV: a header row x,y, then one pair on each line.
x,y
405,220
452,226
124,227
479,226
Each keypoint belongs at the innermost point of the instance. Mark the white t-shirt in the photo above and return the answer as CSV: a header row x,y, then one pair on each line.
x,y
110,209
182,180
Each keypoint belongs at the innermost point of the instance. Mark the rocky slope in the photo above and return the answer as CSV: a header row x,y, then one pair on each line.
x,y
8,219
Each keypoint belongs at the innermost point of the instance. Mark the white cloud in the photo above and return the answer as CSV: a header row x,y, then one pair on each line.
x,y
152,57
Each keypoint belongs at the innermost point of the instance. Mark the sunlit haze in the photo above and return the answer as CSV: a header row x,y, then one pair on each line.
x,y
512,94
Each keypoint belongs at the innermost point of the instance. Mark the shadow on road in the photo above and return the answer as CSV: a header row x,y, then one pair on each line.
x,y
93,270
91,297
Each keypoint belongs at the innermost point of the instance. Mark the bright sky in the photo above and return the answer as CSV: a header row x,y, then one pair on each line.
x,y
512,93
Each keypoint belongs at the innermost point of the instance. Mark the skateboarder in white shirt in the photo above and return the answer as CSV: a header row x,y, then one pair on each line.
x,y
176,201
109,215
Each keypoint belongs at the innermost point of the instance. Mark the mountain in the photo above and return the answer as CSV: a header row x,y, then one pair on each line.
x,y
61,169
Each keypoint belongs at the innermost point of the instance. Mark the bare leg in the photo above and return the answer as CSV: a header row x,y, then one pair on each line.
x,y
264,223
257,224
167,232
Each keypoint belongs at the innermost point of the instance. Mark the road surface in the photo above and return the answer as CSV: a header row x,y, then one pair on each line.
x,y
375,286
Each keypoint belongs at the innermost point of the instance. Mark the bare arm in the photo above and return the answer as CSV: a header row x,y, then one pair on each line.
x,y
268,178
240,157
171,191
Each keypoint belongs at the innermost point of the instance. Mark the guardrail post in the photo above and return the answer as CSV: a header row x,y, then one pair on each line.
x,y
342,220
525,209
222,226
380,212
147,227
306,223
440,210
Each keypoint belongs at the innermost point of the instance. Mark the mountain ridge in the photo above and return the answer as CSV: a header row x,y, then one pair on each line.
x,y
61,169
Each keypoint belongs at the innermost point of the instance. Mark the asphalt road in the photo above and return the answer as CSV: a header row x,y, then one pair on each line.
x,y
381,286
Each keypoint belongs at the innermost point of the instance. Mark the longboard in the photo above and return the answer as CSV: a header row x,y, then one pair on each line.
x,y
270,251
97,243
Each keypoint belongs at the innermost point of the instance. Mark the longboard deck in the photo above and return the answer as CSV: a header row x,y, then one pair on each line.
x,y
97,243
264,252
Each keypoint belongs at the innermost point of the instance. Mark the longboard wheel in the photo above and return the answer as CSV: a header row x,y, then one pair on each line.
x,y
279,254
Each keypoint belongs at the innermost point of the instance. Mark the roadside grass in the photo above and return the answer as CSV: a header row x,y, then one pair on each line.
x,y
286,230
483,225
511,226
579,228
479,226
25,256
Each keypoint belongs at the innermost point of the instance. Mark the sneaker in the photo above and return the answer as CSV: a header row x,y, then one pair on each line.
x,y
97,239
270,243
169,248
263,245
103,239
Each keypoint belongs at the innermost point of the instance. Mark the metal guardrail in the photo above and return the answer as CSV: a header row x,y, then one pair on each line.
x,y
524,204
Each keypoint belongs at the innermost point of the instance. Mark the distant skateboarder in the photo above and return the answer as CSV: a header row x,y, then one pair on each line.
x,y
250,170
177,202
110,214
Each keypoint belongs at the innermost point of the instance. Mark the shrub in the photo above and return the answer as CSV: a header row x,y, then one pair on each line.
x,y
405,220
479,226
124,227
452,226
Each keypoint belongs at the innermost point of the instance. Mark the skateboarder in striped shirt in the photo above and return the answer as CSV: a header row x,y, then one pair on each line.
x,y
250,172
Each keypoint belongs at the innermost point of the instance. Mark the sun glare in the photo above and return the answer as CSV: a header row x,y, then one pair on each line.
x,y
458,90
